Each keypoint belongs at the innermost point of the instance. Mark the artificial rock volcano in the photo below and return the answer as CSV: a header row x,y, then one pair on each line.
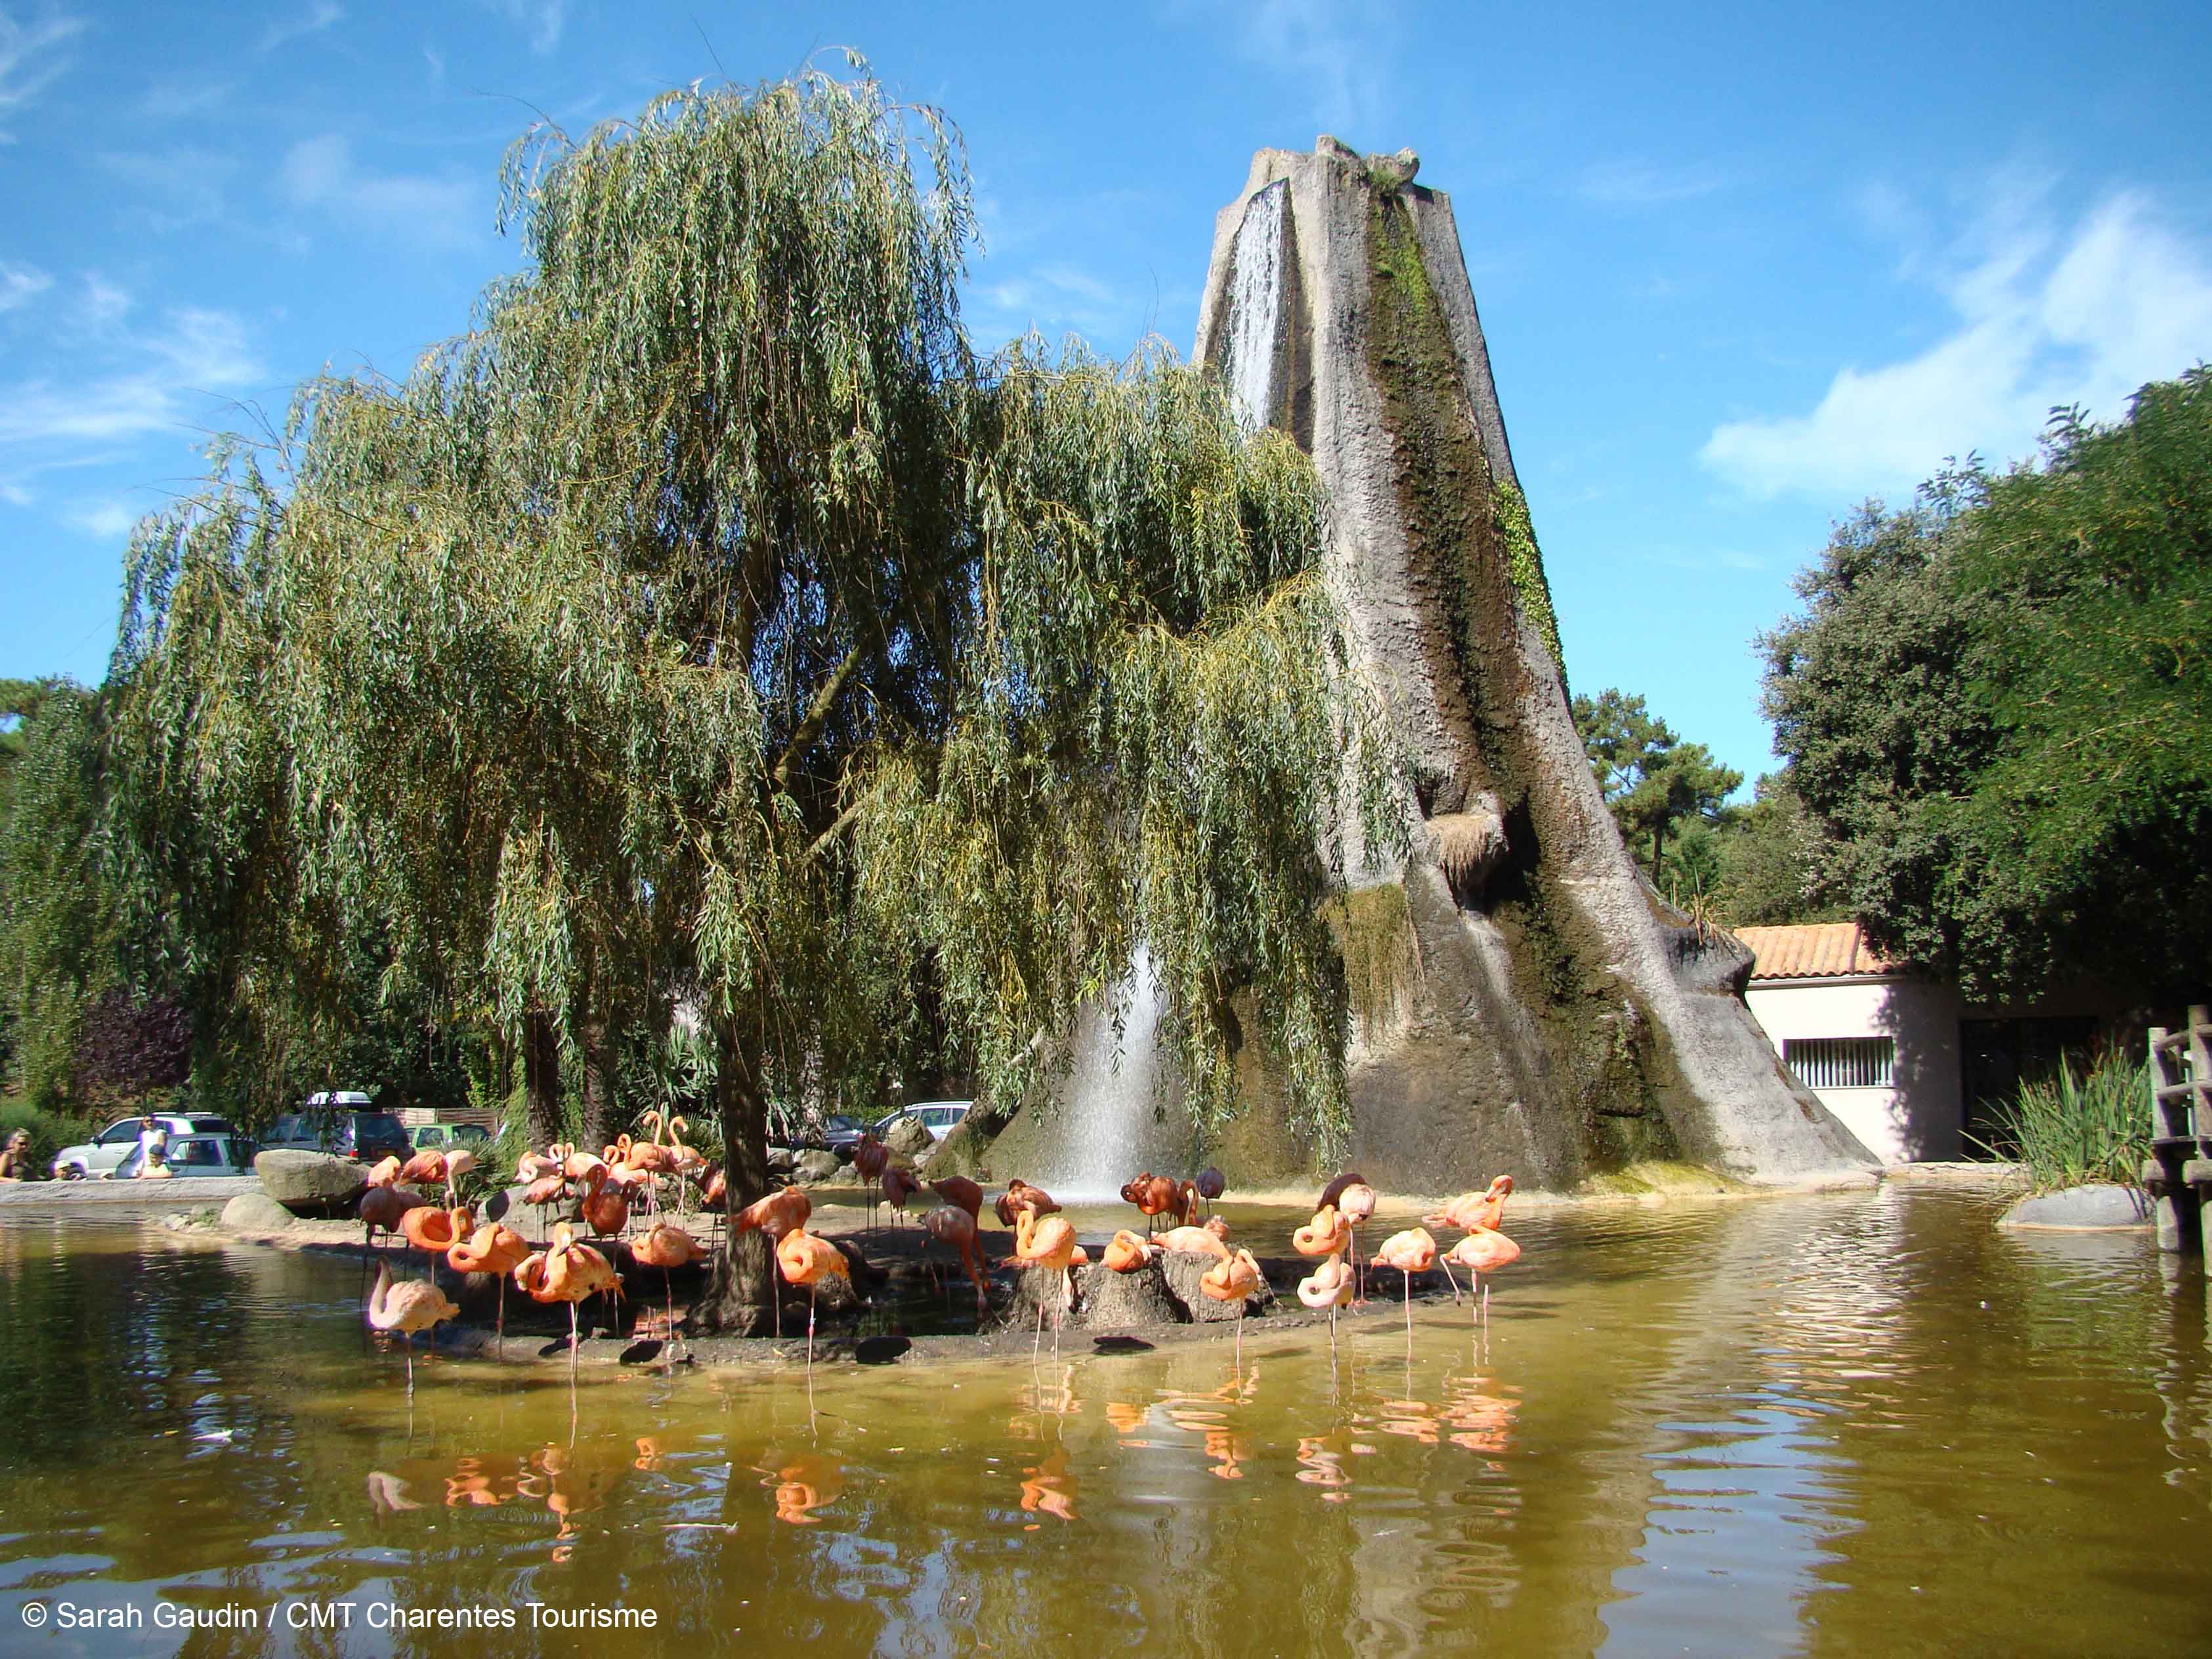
x,y
1523,1001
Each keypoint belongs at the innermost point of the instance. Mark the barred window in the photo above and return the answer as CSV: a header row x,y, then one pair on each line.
x,y
1841,1062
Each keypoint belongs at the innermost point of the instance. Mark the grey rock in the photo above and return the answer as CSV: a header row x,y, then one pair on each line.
x,y
1328,144
909,1135
1111,1301
1492,1055
2098,1206
1182,1269
255,1213
780,1159
1053,1290
313,1180
815,1167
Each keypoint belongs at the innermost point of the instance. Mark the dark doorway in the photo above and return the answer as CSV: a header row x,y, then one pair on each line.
x,y
1995,1056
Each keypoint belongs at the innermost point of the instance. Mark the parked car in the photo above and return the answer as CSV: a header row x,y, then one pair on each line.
x,y
119,1140
939,1117
195,1156
448,1137
840,1132
341,1124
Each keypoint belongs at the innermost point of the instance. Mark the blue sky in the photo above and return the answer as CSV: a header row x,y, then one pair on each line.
x,y
1740,268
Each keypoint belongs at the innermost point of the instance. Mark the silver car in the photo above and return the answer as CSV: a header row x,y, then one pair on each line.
x,y
194,1156
119,1140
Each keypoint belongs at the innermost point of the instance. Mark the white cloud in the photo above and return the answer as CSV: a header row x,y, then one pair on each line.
x,y
1328,44
20,284
153,382
541,21
32,57
171,99
1647,183
320,172
187,183
305,20
2042,321
105,521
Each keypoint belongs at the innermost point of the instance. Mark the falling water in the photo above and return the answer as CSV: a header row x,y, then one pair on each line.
x,y
1107,1130
1255,300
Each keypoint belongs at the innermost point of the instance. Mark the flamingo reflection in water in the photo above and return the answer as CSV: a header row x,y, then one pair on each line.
x,y
1048,1488
803,1482
1321,1463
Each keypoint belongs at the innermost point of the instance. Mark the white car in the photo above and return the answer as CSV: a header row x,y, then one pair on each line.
x,y
97,1158
939,1117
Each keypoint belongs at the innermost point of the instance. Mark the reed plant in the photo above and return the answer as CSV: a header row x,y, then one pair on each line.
x,y
2077,1128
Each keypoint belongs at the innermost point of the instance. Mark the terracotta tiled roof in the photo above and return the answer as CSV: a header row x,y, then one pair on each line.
x,y
1815,950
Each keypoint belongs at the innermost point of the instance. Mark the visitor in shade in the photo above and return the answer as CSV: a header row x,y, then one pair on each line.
x,y
16,1156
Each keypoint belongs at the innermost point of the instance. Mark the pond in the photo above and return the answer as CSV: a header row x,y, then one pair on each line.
x,y
1864,1422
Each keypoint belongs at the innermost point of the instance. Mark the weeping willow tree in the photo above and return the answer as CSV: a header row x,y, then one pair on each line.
x,y
712,630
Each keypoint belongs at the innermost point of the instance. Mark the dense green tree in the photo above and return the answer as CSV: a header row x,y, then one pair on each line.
x,y
59,917
1651,779
1993,706
712,626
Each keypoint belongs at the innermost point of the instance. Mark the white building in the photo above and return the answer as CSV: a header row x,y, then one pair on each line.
x,y
1906,1064
1879,1048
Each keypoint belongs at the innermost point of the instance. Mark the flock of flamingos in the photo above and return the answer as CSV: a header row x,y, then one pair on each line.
x,y
609,1189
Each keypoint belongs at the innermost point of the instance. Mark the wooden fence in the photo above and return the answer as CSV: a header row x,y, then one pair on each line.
x,y
2179,1175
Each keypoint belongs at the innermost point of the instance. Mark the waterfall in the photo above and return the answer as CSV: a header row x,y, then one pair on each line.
x,y
1106,1131
1255,304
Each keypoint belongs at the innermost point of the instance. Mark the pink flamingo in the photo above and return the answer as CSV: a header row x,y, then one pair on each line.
x,y
951,1224
1411,1252
493,1249
668,1248
411,1305
805,1260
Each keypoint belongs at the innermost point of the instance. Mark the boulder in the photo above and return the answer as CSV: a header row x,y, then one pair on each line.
x,y
1111,1301
780,1159
909,1135
255,1213
1182,1269
2099,1207
1033,1285
310,1181
815,1167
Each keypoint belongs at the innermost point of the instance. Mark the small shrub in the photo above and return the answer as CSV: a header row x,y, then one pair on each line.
x,y
2072,1130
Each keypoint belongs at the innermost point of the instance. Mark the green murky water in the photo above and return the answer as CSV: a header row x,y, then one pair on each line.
x,y
1859,1423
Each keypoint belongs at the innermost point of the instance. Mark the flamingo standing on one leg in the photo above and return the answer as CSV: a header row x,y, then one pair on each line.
x,y
1330,1285
1411,1252
408,1306
566,1272
953,1224
667,1248
1356,1204
1048,1242
1233,1279
899,1184
870,1157
780,1213
805,1260
1210,1183
493,1249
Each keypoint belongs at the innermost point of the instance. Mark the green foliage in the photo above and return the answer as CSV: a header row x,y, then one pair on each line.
x,y
50,1132
1766,861
59,922
1993,705
2071,1130
1508,515
711,625
1652,780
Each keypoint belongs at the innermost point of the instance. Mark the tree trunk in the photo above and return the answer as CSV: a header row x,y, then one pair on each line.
x,y
598,1084
738,1292
541,1077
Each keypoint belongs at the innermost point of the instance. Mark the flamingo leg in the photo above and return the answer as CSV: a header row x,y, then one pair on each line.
x,y
502,1337
669,1285
1409,1307
1445,1263
811,1295
1037,1341
572,1342
410,1336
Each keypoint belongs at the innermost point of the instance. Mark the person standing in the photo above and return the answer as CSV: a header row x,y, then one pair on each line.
x,y
16,1156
